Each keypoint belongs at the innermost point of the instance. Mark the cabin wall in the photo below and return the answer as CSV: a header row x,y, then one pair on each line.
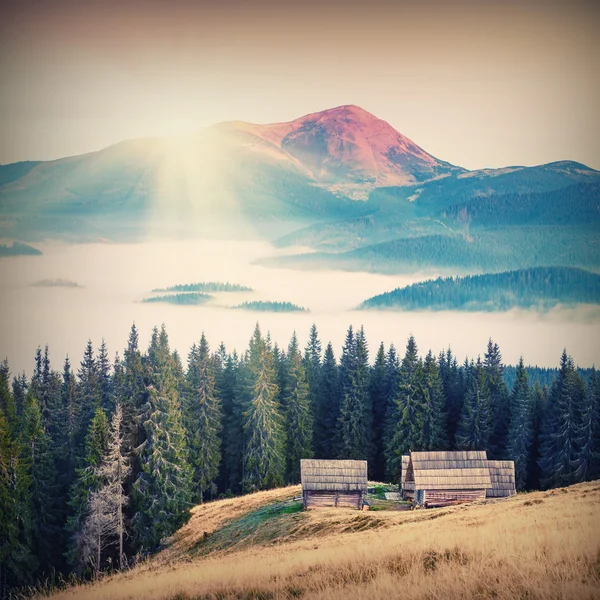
x,y
324,499
433,497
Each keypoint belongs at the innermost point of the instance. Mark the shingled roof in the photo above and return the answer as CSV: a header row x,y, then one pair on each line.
x,y
502,475
333,475
459,470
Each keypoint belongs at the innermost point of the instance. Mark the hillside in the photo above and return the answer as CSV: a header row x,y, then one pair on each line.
x,y
541,287
541,545
488,250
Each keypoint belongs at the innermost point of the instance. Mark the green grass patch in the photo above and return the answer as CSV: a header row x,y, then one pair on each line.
x,y
257,528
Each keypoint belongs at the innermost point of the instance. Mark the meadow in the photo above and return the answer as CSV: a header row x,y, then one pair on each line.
x,y
541,545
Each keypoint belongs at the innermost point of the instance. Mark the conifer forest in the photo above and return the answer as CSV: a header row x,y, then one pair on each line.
x,y
102,459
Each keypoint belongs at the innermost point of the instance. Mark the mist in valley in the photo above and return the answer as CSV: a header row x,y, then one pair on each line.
x,y
113,279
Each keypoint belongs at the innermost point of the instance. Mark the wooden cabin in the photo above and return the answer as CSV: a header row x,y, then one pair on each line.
x,y
502,475
408,488
443,478
333,483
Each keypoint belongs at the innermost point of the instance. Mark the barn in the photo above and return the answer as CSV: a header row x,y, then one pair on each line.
x,y
335,483
502,476
442,478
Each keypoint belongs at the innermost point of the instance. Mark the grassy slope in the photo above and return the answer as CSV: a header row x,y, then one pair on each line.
x,y
540,545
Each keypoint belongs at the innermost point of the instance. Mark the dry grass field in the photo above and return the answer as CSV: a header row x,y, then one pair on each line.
x,y
542,545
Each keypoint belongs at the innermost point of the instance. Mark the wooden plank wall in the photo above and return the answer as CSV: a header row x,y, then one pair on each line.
x,y
314,499
441,497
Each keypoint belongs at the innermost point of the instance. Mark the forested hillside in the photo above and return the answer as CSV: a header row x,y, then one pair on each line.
x,y
541,287
462,252
101,462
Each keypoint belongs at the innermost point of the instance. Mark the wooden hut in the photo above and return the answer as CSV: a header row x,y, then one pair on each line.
x,y
338,483
407,487
442,478
502,475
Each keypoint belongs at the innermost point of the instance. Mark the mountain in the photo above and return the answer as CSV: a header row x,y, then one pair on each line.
x,y
340,180
348,149
540,287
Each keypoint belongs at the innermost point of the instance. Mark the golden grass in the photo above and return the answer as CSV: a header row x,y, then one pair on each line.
x,y
535,546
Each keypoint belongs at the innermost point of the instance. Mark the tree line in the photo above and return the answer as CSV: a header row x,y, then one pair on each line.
x,y
100,465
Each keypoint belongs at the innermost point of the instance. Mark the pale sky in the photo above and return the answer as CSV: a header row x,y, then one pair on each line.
x,y
476,83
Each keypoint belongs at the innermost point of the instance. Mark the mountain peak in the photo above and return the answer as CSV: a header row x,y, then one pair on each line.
x,y
347,143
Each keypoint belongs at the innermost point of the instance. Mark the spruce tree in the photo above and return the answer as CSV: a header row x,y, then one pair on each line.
x,y
454,392
474,426
298,414
328,408
203,420
434,426
107,400
519,432
561,429
86,482
499,414
537,411
43,476
354,427
163,488
264,452
378,388
405,429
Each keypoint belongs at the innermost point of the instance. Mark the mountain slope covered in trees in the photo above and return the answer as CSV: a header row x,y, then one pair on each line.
x,y
541,287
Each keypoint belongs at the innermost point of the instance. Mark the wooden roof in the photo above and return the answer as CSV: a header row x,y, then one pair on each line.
x,y
502,475
333,475
458,470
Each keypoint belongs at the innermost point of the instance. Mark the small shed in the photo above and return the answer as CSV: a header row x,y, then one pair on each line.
x,y
407,487
335,483
502,475
442,478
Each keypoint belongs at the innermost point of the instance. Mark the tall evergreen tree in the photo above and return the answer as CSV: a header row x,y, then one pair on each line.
x,y
434,426
474,426
519,432
163,488
499,414
537,411
203,420
107,400
86,482
379,401
454,392
408,413
312,366
559,443
298,414
328,408
264,453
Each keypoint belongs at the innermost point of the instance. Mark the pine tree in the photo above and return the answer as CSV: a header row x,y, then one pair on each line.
x,y
264,454
434,427
107,400
162,490
559,449
312,367
499,414
17,531
328,408
298,414
378,387
354,428
86,481
519,432
454,392
405,429
474,426
88,390
537,411
43,476
587,438
203,420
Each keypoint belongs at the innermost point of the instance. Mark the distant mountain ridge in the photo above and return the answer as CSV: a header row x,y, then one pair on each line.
x,y
341,181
